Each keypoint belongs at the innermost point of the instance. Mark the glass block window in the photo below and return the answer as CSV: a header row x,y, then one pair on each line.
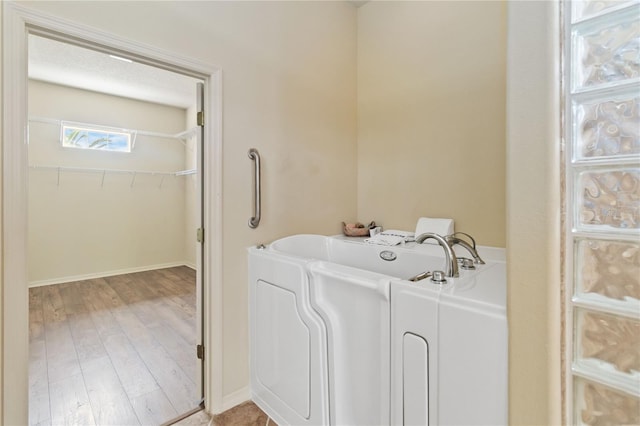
x,y
608,199
602,197
102,139
607,270
607,127
605,50
600,405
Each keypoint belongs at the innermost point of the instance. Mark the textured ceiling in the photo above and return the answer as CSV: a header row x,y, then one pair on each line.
x,y
74,66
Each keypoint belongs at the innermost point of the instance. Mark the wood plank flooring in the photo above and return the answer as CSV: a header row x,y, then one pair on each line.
x,y
113,351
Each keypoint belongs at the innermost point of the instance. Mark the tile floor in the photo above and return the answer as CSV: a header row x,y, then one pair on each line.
x,y
245,414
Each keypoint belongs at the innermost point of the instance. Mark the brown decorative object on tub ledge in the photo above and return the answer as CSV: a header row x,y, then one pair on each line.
x,y
357,229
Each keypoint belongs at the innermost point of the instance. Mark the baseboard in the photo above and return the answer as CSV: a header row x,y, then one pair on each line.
x,y
69,279
190,265
235,398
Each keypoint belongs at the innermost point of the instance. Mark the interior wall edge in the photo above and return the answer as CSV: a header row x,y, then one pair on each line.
x,y
533,214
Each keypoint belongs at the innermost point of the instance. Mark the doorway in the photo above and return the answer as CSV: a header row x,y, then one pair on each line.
x,y
114,203
18,23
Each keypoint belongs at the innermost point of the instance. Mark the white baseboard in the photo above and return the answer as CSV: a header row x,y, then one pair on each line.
x,y
190,265
111,273
235,398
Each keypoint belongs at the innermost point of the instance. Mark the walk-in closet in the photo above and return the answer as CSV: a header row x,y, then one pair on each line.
x,y
112,251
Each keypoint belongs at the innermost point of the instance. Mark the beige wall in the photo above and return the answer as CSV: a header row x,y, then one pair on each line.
x,y
533,214
431,115
84,225
289,90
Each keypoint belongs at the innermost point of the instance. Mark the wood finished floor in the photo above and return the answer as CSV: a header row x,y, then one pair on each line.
x,y
113,351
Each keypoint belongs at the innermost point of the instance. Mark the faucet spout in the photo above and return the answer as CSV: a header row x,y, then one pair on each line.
x,y
450,256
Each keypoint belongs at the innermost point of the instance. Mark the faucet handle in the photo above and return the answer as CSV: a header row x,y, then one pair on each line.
x,y
466,263
420,276
452,236
438,277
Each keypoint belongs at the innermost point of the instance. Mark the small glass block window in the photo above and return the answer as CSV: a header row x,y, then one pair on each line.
x,y
608,269
608,342
608,199
607,55
607,128
95,139
587,8
599,405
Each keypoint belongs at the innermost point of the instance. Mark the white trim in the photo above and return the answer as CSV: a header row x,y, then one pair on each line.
x,y
190,265
15,342
114,272
18,22
235,398
213,251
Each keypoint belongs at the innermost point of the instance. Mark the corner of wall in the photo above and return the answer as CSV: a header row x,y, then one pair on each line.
x,y
533,213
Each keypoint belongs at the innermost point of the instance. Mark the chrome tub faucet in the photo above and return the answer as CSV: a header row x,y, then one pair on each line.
x,y
450,256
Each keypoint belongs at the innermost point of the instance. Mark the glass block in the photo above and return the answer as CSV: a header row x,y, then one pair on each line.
x,y
599,405
586,8
607,53
608,199
608,268
607,128
610,340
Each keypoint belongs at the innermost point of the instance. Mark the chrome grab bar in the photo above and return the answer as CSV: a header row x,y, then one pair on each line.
x,y
255,220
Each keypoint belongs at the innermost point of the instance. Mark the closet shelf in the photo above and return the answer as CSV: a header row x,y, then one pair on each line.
x,y
130,172
179,136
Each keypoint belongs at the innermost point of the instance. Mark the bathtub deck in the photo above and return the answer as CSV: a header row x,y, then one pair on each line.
x,y
114,350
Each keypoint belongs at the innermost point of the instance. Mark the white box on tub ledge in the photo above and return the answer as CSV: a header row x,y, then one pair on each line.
x,y
340,337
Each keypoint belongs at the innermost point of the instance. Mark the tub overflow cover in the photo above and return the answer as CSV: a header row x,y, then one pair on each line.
x,y
387,255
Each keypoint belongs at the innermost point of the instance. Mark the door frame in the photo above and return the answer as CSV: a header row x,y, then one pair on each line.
x,y
17,23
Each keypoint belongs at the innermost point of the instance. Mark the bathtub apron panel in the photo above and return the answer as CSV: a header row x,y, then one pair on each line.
x,y
414,342
288,343
287,354
355,309
478,383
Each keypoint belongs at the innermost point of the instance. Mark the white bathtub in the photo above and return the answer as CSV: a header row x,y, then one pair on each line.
x,y
340,337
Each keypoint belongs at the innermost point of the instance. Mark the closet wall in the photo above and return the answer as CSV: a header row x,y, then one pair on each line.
x,y
84,224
